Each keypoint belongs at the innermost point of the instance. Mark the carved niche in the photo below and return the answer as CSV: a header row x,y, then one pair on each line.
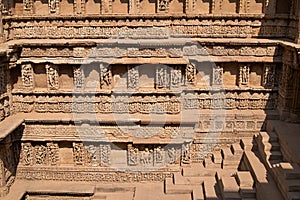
x,y
53,6
133,77
27,75
105,77
185,154
269,75
132,155
218,75
52,76
161,81
52,153
78,77
27,154
190,74
244,75
176,77
40,154
28,6
78,153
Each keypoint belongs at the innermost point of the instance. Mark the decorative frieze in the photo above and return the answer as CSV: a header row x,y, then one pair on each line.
x,y
116,52
27,76
143,104
52,76
205,28
63,174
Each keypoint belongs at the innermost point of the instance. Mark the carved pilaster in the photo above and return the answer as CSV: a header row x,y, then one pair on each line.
x,y
133,77
105,77
53,6
105,151
244,6
52,76
106,6
27,76
269,75
79,7
134,6
217,76
244,75
28,6
190,6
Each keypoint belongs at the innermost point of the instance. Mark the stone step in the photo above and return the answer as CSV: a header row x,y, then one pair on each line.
x,y
244,179
170,188
209,189
293,185
268,137
196,172
181,180
274,155
99,197
229,188
177,197
236,149
198,193
294,195
274,146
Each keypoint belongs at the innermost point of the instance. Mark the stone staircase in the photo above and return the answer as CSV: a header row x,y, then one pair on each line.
x,y
269,148
217,177
286,174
